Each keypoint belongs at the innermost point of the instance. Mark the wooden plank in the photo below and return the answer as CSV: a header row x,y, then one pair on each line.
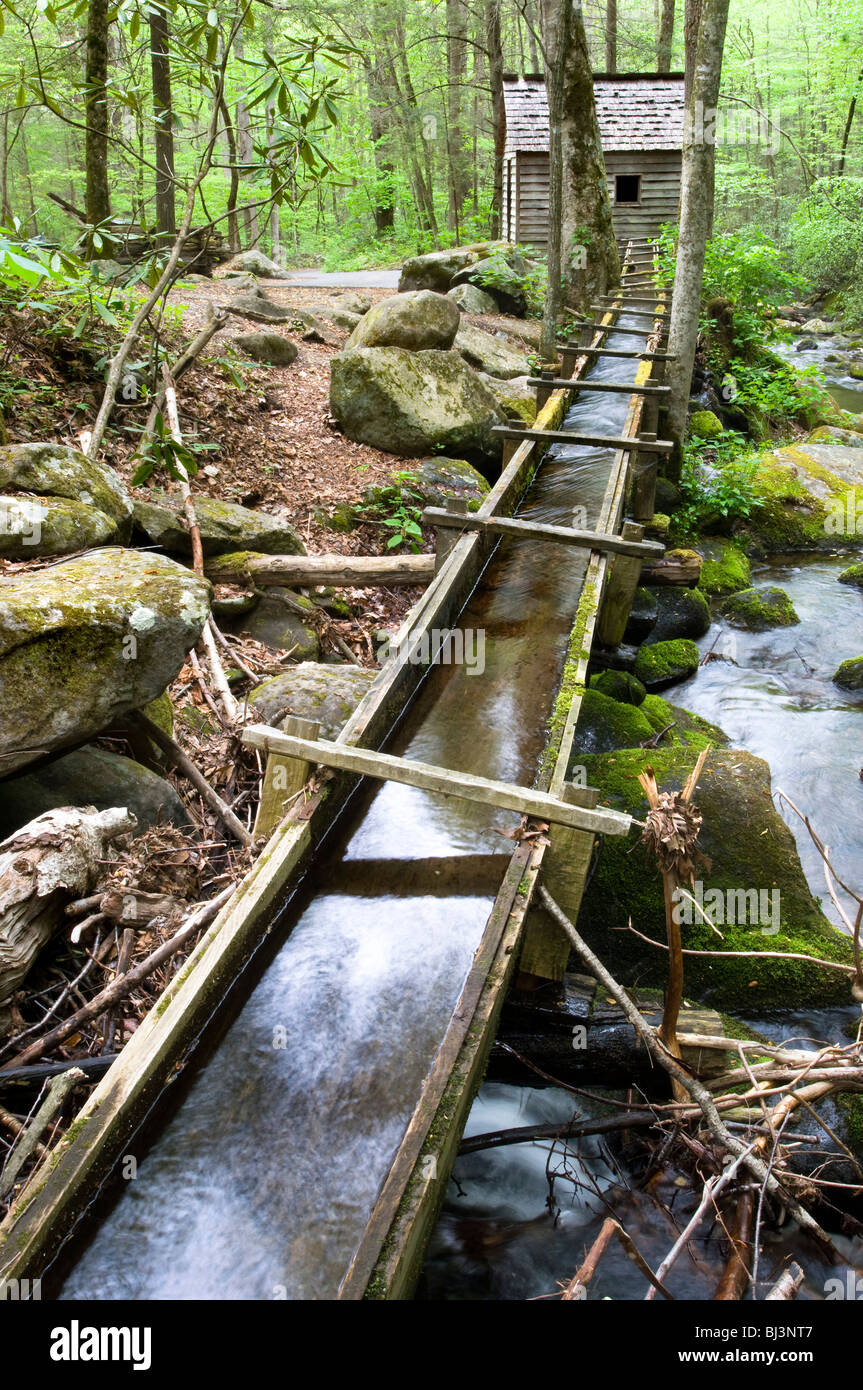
x,y
300,571
659,446
616,387
450,782
608,328
283,779
565,535
545,952
633,313
619,592
629,352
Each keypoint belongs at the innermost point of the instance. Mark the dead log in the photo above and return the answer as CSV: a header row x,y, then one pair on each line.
x,y
675,567
301,571
132,908
48,861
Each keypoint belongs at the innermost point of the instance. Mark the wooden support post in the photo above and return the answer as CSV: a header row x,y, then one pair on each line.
x,y
545,951
588,328
543,393
511,444
568,357
445,538
283,778
619,591
643,496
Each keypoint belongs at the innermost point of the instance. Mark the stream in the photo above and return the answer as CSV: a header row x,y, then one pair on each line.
x,y
260,1184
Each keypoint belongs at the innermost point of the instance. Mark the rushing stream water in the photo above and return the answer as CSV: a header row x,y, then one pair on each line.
x,y
261,1183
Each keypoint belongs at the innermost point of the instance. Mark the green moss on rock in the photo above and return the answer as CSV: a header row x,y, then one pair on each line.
x,y
703,424
725,568
757,610
665,663
849,674
853,575
749,847
619,685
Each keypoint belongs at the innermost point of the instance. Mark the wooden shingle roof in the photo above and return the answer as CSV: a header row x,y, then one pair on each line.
x,y
636,111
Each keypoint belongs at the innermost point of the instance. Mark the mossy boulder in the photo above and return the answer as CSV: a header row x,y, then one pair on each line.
x,y
415,320
87,640
833,434
489,353
668,497
414,403
31,526
681,612
849,674
224,527
257,306
504,277
433,481
90,776
435,269
805,494
852,575
687,730
313,690
725,567
665,663
516,399
619,685
270,348
757,610
750,849
54,470
605,724
703,424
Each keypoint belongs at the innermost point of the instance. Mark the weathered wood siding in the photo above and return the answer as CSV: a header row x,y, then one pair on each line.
x,y
526,198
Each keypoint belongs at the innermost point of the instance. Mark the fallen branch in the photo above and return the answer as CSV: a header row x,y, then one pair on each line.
x,y
216,320
25,1146
709,1193
305,571
197,778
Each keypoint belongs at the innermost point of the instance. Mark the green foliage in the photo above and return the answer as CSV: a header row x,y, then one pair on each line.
x,y
771,393
718,483
399,508
826,236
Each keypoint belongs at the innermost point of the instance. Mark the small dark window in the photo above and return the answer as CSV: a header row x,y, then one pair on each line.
x,y
627,188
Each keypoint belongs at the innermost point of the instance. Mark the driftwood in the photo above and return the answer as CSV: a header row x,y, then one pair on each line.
x,y
49,860
787,1285
291,571
27,1142
197,778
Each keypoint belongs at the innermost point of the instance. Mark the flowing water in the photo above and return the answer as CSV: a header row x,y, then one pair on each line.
x,y
261,1183
845,389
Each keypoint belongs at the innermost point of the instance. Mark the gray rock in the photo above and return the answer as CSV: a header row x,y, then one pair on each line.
x,y
93,777
817,326
354,303
224,527
436,481
271,348
502,277
256,263
680,613
313,690
54,470
472,300
435,270
416,320
277,623
805,344
261,309
32,526
413,403
515,397
489,354
85,641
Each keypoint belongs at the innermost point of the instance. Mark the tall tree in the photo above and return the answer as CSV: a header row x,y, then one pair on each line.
x,y
664,36
611,36
696,212
456,62
163,115
691,30
495,73
98,194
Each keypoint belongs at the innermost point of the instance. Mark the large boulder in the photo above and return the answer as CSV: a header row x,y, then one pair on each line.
x,y
224,527
680,613
433,481
283,621
503,276
472,300
95,777
435,270
489,354
55,470
271,348
756,610
87,640
413,403
50,526
665,663
807,498
258,307
416,320
849,674
749,850
515,397
313,690
256,263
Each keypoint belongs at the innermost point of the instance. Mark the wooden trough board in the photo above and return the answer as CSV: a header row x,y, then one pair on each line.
x,y
600,441
617,387
465,785
529,530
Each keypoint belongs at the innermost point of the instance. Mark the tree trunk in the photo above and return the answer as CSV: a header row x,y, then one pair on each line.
x,y
611,36
852,107
243,127
589,259
380,120
665,36
691,26
98,196
163,115
5,206
233,189
556,30
456,61
697,194
495,72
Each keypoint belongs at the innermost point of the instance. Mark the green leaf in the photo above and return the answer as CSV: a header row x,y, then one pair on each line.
x,y
143,472
135,26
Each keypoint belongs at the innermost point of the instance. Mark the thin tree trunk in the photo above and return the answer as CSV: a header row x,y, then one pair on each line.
x,y
852,107
98,195
233,189
163,115
495,72
697,195
611,36
665,36
5,206
246,153
456,55
556,29
691,26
